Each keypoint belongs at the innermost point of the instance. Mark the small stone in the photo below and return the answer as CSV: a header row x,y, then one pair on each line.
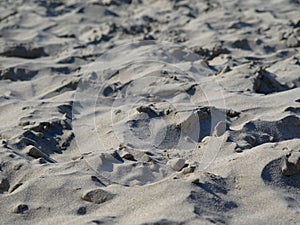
x,y
189,169
195,181
126,155
38,154
97,196
4,185
35,152
154,167
176,164
292,42
290,164
220,128
280,36
238,150
21,208
145,158
297,32
81,210
294,159
24,123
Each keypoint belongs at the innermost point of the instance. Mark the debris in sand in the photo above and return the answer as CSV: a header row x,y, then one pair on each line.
x,y
176,164
37,153
21,208
97,196
290,163
292,42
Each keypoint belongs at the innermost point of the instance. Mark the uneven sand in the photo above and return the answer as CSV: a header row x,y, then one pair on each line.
x,y
149,112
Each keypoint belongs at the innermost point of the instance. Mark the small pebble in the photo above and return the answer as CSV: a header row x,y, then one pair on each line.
x,y
97,196
280,36
81,210
35,152
176,164
189,169
297,32
220,128
290,163
126,155
4,185
238,150
292,42
21,208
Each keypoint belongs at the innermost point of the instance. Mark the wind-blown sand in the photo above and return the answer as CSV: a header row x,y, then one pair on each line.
x,y
149,112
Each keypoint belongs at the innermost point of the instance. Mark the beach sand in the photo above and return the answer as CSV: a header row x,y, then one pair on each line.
x,y
166,112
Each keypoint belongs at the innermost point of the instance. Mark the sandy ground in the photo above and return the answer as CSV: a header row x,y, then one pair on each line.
x,y
165,112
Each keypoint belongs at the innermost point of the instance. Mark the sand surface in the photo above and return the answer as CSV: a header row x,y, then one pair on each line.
x,y
159,112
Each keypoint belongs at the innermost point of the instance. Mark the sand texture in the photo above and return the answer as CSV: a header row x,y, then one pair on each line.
x,y
149,112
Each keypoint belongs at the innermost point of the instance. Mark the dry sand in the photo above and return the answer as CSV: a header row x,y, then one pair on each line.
x,y
165,112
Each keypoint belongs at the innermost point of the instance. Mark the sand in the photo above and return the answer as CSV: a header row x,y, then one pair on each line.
x,y
149,112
